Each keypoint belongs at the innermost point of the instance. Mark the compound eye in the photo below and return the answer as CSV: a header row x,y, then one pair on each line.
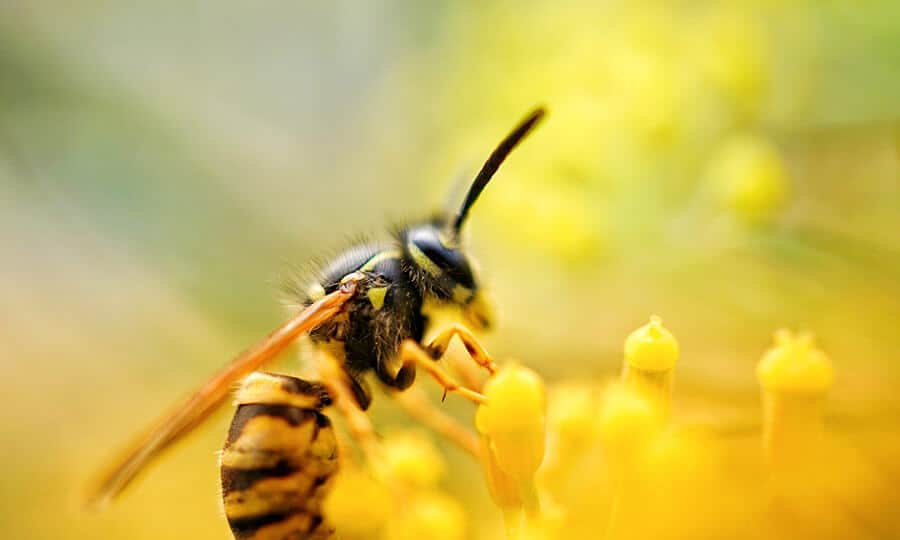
x,y
442,261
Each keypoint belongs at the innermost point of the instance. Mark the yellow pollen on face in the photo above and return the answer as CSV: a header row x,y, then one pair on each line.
x,y
376,296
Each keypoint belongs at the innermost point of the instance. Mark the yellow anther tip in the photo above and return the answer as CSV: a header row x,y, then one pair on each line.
x,y
516,398
513,419
794,364
651,347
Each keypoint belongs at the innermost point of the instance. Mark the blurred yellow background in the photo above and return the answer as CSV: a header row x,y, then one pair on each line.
x,y
733,167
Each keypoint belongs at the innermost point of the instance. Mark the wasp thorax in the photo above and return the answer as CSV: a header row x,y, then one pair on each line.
x,y
439,263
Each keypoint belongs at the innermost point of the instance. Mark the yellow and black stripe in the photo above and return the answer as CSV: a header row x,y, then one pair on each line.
x,y
278,461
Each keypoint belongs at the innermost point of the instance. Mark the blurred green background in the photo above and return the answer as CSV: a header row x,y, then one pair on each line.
x,y
733,167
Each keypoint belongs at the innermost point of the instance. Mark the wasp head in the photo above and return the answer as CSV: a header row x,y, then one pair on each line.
x,y
433,249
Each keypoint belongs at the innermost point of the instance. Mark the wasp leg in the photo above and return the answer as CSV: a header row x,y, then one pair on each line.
x,y
416,404
345,401
412,354
439,344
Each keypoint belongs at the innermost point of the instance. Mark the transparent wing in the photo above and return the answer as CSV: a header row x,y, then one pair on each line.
x,y
206,399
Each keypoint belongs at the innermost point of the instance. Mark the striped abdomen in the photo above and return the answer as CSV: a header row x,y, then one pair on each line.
x,y
278,460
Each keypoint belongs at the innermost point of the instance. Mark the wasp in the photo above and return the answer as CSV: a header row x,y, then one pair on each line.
x,y
366,313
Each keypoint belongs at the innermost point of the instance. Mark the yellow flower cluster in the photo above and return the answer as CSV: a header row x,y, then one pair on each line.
x,y
749,178
611,460
619,465
404,502
513,433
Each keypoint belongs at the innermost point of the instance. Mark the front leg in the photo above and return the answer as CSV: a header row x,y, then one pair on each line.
x,y
439,345
412,355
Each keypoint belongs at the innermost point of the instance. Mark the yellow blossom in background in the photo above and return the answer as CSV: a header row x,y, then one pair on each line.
x,y
431,515
682,470
750,178
735,60
795,377
626,418
358,505
795,365
571,413
548,526
404,503
815,479
412,458
558,221
571,433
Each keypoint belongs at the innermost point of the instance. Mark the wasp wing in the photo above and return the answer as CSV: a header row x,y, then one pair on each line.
x,y
206,399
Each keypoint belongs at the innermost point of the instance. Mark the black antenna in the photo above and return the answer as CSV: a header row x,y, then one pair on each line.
x,y
493,163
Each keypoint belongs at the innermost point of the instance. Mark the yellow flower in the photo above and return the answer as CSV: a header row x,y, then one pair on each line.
x,y
627,419
513,427
513,419
750,178
795,376
546,527
432,515
571,411
651,353
738,67
651,347
627,423
794,364
358,505
412,458
504,490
